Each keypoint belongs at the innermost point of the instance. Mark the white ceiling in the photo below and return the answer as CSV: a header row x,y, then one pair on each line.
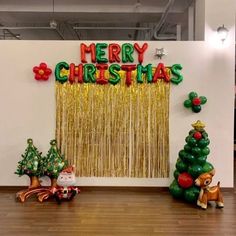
x,y
92,13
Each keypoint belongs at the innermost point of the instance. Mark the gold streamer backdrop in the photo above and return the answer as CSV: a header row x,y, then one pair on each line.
x,y
114,131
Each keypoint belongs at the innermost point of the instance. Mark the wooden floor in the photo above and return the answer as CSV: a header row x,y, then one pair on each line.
x,y
111,211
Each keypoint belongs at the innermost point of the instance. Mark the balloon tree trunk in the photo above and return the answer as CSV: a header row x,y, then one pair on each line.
x,y
34,182
46,193
34,188
53,182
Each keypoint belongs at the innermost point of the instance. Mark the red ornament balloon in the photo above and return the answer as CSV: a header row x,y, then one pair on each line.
x,y
185,180
197,135
196,101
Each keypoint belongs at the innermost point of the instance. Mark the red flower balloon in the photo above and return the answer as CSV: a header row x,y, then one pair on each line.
x,y
196,101
42,72
197,135
185,180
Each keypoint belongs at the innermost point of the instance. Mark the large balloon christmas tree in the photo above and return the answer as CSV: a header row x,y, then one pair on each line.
x,y
191,163
53,163
30,164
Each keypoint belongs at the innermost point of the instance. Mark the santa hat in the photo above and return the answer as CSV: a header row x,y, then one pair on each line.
x,y
69,169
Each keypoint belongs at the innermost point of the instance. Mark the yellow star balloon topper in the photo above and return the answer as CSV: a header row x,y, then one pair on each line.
x,y
64,72
199,126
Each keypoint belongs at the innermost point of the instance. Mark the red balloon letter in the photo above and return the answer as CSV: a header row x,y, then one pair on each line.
x,y
101,79
76,72
84,49
160,73
114,50
140,51
128,69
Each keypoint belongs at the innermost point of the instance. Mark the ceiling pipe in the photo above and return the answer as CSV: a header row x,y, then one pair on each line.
x,y
60,34
9,32
160,24
136,31
12,34
32,28
25,28
109,28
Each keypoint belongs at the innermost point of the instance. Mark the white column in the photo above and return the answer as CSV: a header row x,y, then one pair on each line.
x,y
191,23
210,14
200,20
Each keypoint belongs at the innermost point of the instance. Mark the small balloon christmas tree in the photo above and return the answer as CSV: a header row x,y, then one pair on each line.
x,y
53,163
30,164
191,163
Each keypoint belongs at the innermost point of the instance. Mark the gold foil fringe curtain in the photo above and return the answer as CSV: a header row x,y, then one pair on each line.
x,y
114,131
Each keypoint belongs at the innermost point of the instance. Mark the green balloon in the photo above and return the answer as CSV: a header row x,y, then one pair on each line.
x,y
175,70
187,138
189,158
196,151
204,134
196,109
187,148
192,131
58,68
115,76
175,190
205,151
201,160
207,167
182,154
202,143
203,99
176,174
192,95
195,170
191,194
127,52
188,103
192,142
100,52
181,166
89,73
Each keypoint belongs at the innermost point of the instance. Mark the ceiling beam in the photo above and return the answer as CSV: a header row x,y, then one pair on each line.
x,y
102,6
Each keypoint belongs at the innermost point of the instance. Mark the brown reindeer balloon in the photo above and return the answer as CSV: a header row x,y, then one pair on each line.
x,y
208,193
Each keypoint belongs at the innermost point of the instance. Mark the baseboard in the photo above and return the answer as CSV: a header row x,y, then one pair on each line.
x,y
109,188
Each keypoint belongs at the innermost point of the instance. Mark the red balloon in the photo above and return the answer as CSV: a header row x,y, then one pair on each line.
x,y
128,69
45,77
37,76
197,135
140,51
35,69
88,49
43,66
48,71
185,180
114,50
196,101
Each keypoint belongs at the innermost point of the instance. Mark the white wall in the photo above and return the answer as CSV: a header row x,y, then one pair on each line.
x,y
28,106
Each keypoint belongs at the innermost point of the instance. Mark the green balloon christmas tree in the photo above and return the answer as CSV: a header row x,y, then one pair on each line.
x,y
191,163
53,163
30,164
